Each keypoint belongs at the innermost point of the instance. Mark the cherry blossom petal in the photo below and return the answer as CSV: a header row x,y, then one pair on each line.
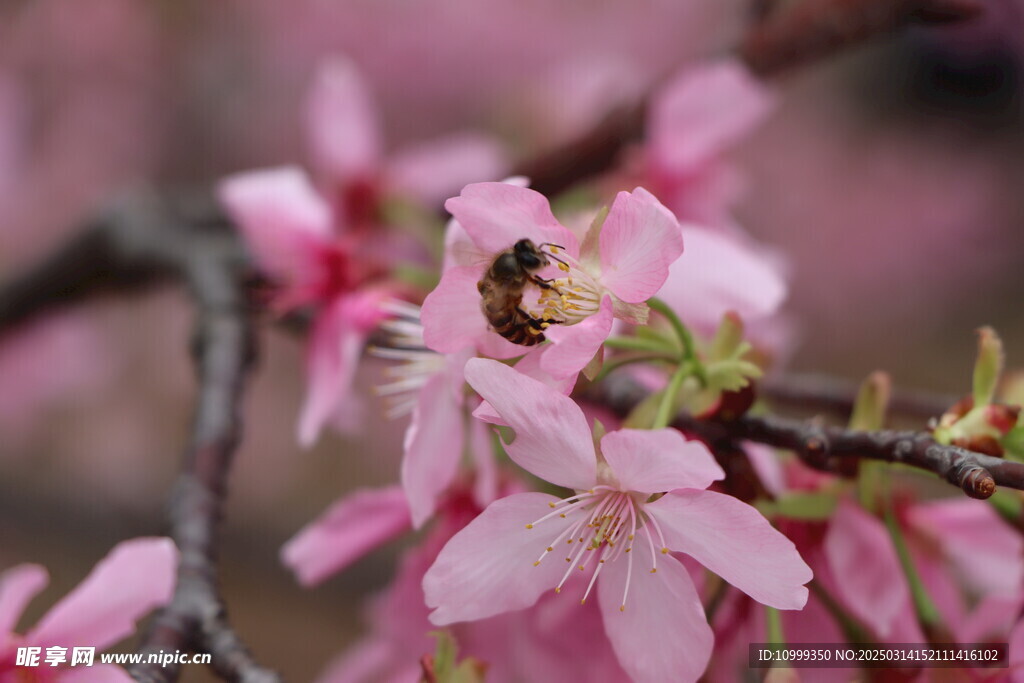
x,y
733,540
433,171
488,567
662,634
285,223
344,138
867,572
703,111
451,315
552,437
349,529
18,585
337,339
718,273
485,481
433,447
988,553
530,365
573,346
653,461
497,215
131,580
639,240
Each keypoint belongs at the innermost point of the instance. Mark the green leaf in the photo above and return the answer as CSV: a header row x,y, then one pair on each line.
x,y
872,403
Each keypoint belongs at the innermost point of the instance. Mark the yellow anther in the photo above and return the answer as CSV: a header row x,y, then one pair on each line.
x,y
664,551
529,526
654,571
553,248
622,608
630,537
580,567
583,601
563,267
545,326
628,549
558,590
562,515
537,563
550,549
551,505
534,331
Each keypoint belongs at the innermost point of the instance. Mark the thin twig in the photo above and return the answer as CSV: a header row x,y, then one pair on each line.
x,y
829,448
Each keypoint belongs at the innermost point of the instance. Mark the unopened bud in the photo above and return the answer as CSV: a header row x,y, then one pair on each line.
x,y
872,402
987,367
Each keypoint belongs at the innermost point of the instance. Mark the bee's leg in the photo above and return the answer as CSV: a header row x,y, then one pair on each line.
x,y
544,283
539,323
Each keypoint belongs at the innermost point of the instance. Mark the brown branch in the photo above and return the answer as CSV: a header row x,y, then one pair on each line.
x,y
223,349
829,448
786,36
138,242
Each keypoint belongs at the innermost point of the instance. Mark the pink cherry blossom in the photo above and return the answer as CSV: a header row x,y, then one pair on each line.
x,y
135,577
693,121
506,558
610,276
541,643
318,240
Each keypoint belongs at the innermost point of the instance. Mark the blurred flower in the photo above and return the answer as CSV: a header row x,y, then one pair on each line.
x,y
486,568
131,580
693,122
322,243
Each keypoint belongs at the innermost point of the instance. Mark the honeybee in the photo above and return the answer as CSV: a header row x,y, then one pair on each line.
x,y
502,291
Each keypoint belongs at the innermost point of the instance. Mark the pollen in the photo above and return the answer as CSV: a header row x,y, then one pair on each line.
x,y
529,526
664,551
622,608
563,267
558,590
537,563
551,505
654,571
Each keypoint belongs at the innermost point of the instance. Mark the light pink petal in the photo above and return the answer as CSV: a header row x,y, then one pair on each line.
x,y
337,339
703,111
552,437
639,240
718,273
433,447
662,634
18,585
654,461
530,365
990,620
573,346
436,170
131,580
987,553
867,571
344,136
767,466
485,481
451,315
349,529
497,215
98,673
735,541
488,567
283,220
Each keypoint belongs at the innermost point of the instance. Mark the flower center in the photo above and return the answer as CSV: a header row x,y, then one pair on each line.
x,y
416,363
604,523
571,298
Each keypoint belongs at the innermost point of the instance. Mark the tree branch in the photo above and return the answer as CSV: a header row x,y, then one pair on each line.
x,y
786,36
138,242
829,448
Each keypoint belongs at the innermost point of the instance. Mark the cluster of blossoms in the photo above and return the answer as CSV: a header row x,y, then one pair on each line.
x,y
576,542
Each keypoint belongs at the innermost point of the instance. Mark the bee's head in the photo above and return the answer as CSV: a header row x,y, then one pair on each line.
x,y
528,255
